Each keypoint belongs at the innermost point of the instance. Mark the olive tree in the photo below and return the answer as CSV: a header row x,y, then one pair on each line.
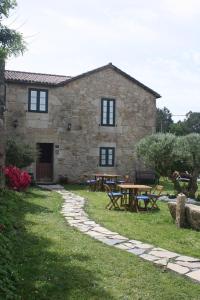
x,y
156,151
187,150
167,153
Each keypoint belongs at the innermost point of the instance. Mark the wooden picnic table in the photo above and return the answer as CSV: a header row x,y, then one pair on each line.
x,y
133,190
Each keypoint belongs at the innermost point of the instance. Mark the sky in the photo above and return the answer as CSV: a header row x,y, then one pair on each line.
x,y
156,41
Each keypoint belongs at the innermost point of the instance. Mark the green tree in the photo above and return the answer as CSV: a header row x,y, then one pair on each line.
x,y
156,152
187,151
167,153
163,120
178,128
191,124
11,43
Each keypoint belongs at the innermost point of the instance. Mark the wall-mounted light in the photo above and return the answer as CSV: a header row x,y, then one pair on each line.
x,y
15,123
69,125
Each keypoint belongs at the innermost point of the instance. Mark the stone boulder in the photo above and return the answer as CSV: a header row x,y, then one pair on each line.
x,y
193,216
172,209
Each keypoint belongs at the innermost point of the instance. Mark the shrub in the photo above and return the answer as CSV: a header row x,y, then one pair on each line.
x,y
9,278
19,154
16,179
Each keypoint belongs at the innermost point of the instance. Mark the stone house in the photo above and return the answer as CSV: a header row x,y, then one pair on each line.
x,y
81,125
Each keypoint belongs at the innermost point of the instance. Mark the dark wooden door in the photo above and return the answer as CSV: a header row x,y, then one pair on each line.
x,y
44,165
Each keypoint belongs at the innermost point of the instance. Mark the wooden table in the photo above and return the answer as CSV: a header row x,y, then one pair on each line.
x,y
133,190
103,177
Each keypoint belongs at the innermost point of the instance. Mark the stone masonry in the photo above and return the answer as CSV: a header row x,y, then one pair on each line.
x,y
78,103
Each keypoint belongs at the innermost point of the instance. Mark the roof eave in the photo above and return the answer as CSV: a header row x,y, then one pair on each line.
x,y
15,81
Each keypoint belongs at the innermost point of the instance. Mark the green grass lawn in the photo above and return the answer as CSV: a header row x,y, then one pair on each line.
x,y
154,227
55,261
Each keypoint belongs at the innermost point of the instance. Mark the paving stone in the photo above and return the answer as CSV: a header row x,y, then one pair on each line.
x,y
159,249
177,268
95,234
74,221
121,246
89,223
194,275
129,245
148,257
110,242
162,262
120,237
163,254
136,251
83,228
145,246
191,265
187,258
135,242
102,230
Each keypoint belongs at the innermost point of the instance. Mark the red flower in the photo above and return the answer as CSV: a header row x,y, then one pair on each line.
x,y
17,179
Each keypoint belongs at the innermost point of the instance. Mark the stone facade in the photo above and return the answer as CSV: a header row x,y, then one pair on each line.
x,y
78,102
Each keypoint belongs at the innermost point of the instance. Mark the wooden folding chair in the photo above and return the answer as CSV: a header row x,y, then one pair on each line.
x,y
153,197
114,196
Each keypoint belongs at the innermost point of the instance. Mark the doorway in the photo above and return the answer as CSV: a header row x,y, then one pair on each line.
x,y
44,164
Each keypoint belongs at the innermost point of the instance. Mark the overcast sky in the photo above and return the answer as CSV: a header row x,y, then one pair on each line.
x,y
155,41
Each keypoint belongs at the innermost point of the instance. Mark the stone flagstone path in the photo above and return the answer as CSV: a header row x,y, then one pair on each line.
x,y
73,211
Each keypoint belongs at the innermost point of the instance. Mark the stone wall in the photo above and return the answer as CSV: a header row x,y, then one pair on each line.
x,y
192,214
76,152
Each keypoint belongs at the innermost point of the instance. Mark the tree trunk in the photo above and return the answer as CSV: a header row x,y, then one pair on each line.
x,y
193,186
177,186
2,124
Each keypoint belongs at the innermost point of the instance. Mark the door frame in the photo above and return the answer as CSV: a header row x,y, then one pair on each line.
x,y
51,178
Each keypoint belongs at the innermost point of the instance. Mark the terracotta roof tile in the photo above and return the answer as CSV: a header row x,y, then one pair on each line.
x,y
27,77
60,80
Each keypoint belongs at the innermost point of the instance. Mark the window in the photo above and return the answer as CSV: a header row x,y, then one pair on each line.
x,y
107,157
38,100
107,112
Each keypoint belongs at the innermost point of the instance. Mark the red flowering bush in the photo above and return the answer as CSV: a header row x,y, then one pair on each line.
x,y
17,179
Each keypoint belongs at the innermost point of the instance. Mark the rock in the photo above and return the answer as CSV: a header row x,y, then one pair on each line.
x,y
193,216
177,268
172,209
194,275
180,211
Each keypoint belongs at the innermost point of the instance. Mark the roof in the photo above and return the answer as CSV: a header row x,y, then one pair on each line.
x,y
38,78
61,80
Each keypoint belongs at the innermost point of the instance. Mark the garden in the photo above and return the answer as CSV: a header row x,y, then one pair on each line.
x,y
42,257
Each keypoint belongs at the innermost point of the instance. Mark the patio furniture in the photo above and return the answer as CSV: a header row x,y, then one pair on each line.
x,y
92,184
145,199
103,177
124,179
153,197
89,181
114,196
133,190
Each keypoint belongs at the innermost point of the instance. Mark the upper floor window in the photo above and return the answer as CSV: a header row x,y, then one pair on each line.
x,y
107,112
38,100
107,156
